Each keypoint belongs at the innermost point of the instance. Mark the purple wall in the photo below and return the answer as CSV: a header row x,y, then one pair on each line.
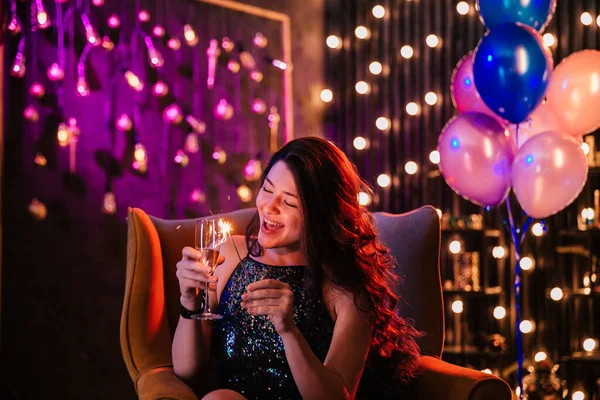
x,y
63,276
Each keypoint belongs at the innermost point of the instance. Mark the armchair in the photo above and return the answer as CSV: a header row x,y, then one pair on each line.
x,y
150,312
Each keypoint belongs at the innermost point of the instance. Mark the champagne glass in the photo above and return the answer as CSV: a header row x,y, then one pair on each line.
x,y
208,242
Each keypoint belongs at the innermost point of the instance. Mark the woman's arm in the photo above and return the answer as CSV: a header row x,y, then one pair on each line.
x,y
338,376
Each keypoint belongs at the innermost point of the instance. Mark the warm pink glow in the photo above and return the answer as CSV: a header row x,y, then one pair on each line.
x,y
216,155
98,3
259,106
114,21
197,196
31,114
55,73
233,66
83,89
279,64
158,31
160,89
181,158
124,123
256,76
37,90
144,16
173,114
174,43
14,26
223,110
260,40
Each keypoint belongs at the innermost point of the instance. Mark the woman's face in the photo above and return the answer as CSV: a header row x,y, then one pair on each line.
x,y
279,209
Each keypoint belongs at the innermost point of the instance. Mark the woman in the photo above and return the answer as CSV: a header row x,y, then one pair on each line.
x,y
310,303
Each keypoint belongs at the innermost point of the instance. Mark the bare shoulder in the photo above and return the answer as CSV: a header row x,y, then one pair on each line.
x,y
341,302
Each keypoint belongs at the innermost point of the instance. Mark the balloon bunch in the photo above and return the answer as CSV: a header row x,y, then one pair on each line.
x,y
520,119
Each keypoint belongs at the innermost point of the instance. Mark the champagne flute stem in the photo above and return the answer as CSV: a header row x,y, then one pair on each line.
x,y
206,306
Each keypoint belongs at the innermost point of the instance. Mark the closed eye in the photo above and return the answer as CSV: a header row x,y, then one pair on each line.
x,y
290,205
266,190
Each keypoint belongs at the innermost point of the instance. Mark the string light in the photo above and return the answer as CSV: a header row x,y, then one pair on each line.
x,y
362,87
197,196
191,143
37,90
526,326
538,229
223,110
360,143
259,106
587,214
411,168
431,98
181,158
55,73
37,209
279,64
375,68
98,3
90,32
412,108
589,344
586,18
247,60
144,16
133,81
362,32
383,123
14,26
40,160
498,252
109,203
124,123
256,76
252,170
384,180
174,43
244,193
549,39
113,21
219,155
43,21
378,11
556,294
212,52
434,157
107,44
154,57
158,31
172,114
260,40
457,306
578,395
233,66
190,35
526,263
333,42
455,247
18,67
463,8
540,356
364,199
140,158
197,125
31,114
432,41
227,45
406,51
160,89
585,148
62,134
499,312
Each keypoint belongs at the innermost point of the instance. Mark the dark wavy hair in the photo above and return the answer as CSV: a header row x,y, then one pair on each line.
x,y
342,245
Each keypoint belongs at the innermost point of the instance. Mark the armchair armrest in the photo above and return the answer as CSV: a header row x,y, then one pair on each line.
x,y
161,383
445,381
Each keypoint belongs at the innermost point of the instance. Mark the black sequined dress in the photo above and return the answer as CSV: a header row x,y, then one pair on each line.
x,y
248,353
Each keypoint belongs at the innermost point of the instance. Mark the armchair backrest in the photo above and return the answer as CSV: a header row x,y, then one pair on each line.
x,y
154,247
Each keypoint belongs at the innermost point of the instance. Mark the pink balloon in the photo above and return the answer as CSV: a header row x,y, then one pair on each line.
x,y
542,119
464,94
476,153
548,173
574,92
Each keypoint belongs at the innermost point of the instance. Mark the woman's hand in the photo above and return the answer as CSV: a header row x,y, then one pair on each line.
x,y
193,275
274,299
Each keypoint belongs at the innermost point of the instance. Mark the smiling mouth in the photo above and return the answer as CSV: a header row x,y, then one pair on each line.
x,y
270,226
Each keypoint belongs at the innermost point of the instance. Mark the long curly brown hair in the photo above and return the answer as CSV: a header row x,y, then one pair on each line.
x,y
342,244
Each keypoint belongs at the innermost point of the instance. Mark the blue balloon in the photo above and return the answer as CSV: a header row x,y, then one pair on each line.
x,y
511,70
535,13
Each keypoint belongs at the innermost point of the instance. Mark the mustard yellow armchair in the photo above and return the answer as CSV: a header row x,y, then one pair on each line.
x,y
150,312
